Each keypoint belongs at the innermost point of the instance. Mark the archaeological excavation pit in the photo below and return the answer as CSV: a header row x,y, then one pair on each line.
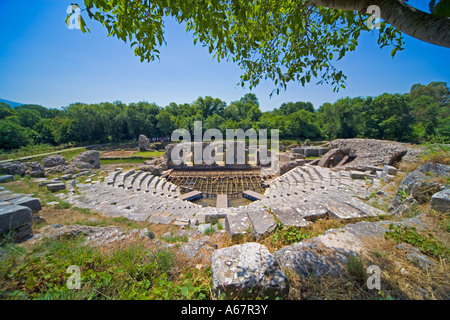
x,y
222,187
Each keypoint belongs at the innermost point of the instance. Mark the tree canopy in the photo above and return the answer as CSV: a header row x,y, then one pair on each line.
x,y
419,115
281,40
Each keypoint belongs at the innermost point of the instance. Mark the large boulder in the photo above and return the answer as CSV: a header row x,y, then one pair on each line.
x,y
143,143
54,160
356,154
247,271
34,169
87,160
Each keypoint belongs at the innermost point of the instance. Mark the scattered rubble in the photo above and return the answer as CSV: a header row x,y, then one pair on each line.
x,y
421,184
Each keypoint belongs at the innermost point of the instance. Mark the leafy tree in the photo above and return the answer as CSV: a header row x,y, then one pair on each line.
x,y
303,124
254,114
87,123
12,135
6,110
437,90
393,117
291,107
425,111
165,123
279,40
28,118
343,119
141,119
214,121
330,121
45,132
250,98
210,106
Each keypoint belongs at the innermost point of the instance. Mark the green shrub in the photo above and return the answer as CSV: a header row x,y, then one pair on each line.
x,y
425,243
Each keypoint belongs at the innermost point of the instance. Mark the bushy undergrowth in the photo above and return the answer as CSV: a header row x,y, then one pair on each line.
x,y
134,272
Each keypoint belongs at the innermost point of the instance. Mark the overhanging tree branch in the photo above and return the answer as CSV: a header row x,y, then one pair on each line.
x,y
411,21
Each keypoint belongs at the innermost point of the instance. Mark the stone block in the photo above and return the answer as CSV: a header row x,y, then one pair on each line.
x,y
440,201
53,187
247,271
14,216
262,221
357,175
390,170
289,216
237,224
33,203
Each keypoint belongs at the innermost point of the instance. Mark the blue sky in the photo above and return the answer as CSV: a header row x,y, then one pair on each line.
x,y
43,62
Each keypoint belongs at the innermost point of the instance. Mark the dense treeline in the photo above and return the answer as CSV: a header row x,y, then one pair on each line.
x,y
419,115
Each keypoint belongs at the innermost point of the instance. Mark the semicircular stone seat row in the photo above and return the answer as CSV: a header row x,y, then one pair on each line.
x,y
296,198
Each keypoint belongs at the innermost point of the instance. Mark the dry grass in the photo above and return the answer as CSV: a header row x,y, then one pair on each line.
x,y
400,279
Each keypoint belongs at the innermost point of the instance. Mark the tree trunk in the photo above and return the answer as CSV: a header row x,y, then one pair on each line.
x,y
418,24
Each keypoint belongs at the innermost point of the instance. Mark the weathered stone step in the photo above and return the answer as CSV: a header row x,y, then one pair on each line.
x,y
311,211
152,185
262,221
366,209
145,183
289,216
237,224
341,210
247,271
10,196
120,180
111,178
318,173
130,179
299,176
138,181
307,174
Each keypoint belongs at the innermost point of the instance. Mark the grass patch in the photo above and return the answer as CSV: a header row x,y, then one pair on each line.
x,y
356,269
84,210
148,154
209,231
120,220
63,205
173,238
134,272
93,223
287,235
425,243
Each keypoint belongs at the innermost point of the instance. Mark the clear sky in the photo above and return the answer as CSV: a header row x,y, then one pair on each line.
x,y
43,62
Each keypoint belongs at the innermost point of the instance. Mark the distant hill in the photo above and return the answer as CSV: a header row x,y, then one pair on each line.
x,y
11,103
